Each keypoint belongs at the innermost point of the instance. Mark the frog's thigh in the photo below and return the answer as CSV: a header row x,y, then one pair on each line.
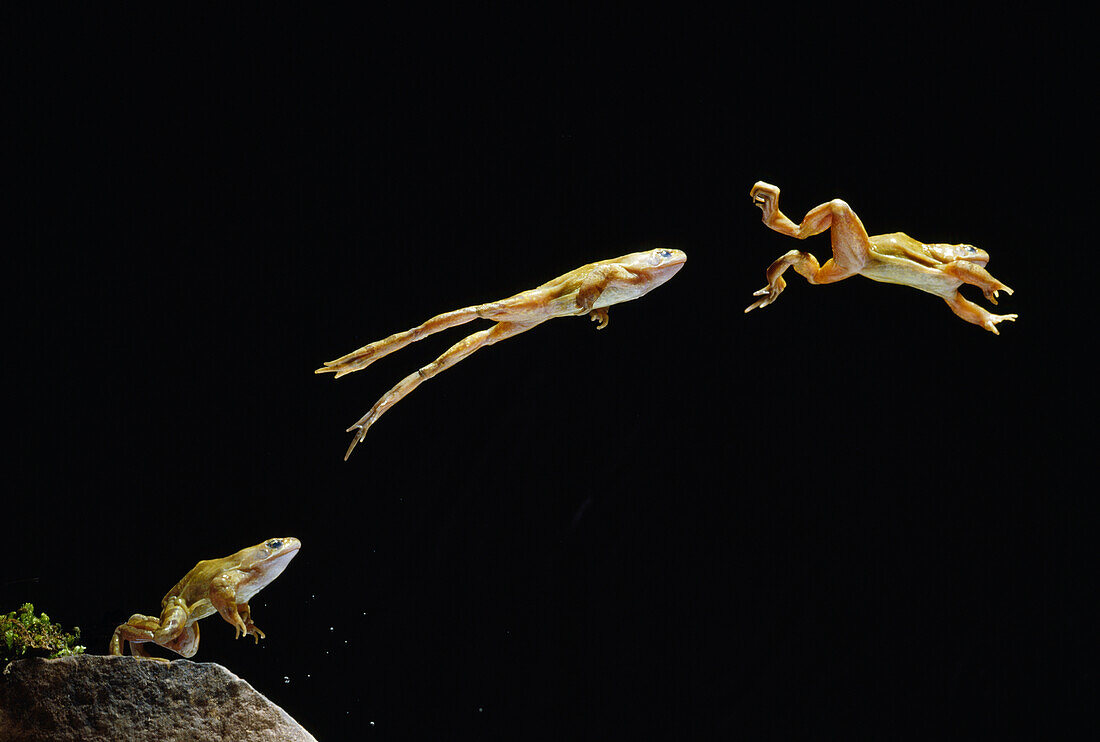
x,y
187,643
518,308
173,619
850,242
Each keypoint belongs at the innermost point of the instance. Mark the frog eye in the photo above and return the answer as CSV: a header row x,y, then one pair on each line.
x,y
274,544
660,255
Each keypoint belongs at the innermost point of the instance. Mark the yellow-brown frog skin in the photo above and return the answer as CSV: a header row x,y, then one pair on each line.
x,y
889,258
898,258
213,586
588,290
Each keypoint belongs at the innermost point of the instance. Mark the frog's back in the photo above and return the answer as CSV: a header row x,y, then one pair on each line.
x,y
902,246
898,258
195,585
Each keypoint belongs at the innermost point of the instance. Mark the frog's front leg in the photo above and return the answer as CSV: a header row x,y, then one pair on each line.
x,y
457,352
250,628
976,275
223,596
971,312
593,287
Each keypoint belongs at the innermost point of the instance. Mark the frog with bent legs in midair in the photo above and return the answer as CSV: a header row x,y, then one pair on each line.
x,y
891,258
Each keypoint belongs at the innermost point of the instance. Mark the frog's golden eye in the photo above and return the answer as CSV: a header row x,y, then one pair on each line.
x,y
274,544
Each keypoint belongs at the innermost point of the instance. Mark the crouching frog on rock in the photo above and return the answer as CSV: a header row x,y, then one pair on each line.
x,y
213,586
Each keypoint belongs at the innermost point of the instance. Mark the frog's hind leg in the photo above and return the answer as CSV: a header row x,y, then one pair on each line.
x,y
368,354
850,242
187,643
136,631
457,352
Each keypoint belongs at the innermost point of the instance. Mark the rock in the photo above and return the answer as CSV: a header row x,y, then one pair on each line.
x,y
92,697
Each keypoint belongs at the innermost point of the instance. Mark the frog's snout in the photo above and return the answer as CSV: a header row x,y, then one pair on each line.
x,y
973,254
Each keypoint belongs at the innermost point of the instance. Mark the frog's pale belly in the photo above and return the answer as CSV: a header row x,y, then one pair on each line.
x,y
617,293
906,273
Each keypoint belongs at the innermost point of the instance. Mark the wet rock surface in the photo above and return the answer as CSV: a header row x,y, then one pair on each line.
x,y
122,698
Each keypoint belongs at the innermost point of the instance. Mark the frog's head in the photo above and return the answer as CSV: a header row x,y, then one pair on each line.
x,y
267,561
657,265
969,253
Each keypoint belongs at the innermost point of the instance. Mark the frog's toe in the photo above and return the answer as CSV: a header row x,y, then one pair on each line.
x,y
360,433
601,316
769,293
239,628
992,294
991,323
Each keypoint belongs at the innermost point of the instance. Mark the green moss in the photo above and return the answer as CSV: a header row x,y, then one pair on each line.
x,y
27,636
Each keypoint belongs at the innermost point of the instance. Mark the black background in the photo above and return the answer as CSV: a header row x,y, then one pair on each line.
x,y
849,511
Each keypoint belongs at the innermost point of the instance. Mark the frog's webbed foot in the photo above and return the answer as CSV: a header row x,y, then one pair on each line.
x,y
360,429
352,362
992,320
599,315
768,294
138,650
766,197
